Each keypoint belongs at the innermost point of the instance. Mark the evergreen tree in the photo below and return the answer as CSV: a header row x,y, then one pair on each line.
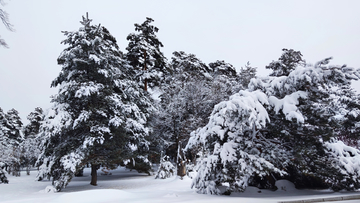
x,y
35,118
145,56
11,138
30,146
282,123
99,114
14,126
246,74
4,151
235,148
346,104
166,168
288,61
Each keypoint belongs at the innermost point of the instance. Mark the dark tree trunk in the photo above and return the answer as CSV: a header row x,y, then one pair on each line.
x,y
180,162
28,169
94,168
145,69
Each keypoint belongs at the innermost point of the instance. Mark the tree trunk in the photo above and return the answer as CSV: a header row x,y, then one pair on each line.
x,y
94,168
145,69
28,169
180,162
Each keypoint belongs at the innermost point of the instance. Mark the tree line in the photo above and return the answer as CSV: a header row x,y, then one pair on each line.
x,y
232,127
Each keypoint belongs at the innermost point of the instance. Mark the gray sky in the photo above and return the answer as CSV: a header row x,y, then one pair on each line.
x,y
232,30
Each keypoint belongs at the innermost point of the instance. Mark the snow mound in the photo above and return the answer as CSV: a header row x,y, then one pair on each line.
x,y
95,196
50,189
285,186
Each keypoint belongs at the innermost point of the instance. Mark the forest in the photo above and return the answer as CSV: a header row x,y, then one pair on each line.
x,y
231,127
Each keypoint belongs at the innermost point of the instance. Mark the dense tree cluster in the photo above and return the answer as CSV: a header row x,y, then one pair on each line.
x,y
288,125
234,129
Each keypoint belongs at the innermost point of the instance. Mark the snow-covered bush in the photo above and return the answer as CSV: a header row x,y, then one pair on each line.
x,y
166,169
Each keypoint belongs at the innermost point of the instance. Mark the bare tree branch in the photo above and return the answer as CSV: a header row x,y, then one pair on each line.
x,y
5,19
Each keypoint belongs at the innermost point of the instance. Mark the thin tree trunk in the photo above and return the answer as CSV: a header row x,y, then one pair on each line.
x,y
94,168
28,170
180,162
145,69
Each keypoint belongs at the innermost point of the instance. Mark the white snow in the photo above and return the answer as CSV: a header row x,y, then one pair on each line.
x,y
288,105
129,186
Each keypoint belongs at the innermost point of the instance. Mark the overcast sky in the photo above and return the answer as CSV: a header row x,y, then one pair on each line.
x,y
232,30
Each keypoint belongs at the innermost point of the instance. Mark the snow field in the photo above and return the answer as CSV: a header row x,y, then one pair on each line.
x,y
129,186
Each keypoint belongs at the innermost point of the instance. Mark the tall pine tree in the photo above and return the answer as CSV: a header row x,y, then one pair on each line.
x,y
99,114
145,56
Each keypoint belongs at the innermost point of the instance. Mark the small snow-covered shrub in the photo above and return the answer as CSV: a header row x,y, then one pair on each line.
x,y
50,189
166,169
346,160
140,163
3,178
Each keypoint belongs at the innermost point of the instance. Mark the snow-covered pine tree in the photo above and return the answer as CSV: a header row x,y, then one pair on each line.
x,y
11,129
246,74
30,146
99,114
14,125
225,81
35,118
166,168
346,103
278,123
145,56
303,119
4,151
288,61
234,145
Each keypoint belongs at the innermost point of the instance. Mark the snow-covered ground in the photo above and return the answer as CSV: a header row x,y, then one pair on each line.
x,y
129,186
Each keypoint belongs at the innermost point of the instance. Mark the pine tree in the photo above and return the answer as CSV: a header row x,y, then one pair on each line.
x,y
11,139
145,56
14,125
280,126
30,146
99,114
346,104
166,168
35,118
307,139
233,144
246,74
288,61
4,150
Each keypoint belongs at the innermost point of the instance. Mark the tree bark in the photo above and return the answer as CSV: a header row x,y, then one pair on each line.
x,y
94,168
180,162
145,69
